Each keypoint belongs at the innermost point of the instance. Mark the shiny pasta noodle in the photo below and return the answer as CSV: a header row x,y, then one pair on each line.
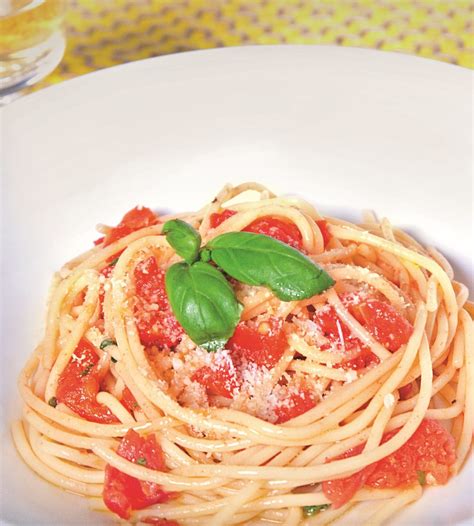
x,y
230,461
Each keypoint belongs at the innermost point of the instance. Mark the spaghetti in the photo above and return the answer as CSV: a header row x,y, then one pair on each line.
x,y
363,393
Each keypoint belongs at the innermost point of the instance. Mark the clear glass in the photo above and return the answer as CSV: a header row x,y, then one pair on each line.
x,y
31,42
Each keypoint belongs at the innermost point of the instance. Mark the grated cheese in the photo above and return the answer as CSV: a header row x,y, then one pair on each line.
x,y
388,400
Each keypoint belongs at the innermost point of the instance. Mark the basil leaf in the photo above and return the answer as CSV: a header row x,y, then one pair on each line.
x,y
105,343
309,511
257,259
204,302
183,238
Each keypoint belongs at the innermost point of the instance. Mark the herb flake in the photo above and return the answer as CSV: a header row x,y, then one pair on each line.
x,y
310,511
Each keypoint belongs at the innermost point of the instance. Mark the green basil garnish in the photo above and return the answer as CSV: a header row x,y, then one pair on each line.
x,y
309,511
183,238
202,299
113,262
203,302
105,343
87,370
421,477
256,259
141,461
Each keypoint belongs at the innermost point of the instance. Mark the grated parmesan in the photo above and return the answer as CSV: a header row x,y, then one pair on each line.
x,y
388,400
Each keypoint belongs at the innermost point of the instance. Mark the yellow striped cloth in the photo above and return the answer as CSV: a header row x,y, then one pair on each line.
x,y
103,33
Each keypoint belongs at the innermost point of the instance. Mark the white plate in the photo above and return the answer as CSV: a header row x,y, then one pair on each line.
x,y
345,128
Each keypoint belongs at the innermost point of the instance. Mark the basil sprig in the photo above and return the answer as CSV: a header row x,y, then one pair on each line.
x,y
204,302
202,299
183,238
256,259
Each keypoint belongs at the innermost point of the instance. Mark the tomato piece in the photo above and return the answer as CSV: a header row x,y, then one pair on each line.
x,y
278,229
342,490
99,241
364,358
137,218
270,226
431,449
218,380
323,226
330,326
406,391
123,493
263,345
128,400
385,324
219,217
339,335
79,384
155,320
297,404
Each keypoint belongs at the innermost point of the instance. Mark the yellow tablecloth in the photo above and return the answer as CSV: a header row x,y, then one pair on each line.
x,y
103,33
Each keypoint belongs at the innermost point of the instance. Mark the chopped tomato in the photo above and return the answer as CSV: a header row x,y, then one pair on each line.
x,y
385,324
263,345
137,218
128,400
159,522
363,358
340,491
331,327
284,231
219,380
278,229
123,493
356,355
99,240
79,384
323,226
156,322
297,404
406,391
431,450
219,217
380,319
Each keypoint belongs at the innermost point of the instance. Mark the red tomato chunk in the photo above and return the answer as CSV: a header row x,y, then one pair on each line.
x,y
137,218
431,450
380,319
79,384
296,405
263,345
384,323
128,400
218,218
278,229
218,381
323,226
123,493
156,322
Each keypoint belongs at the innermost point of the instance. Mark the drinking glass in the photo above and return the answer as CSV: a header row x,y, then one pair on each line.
x,y
31,42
